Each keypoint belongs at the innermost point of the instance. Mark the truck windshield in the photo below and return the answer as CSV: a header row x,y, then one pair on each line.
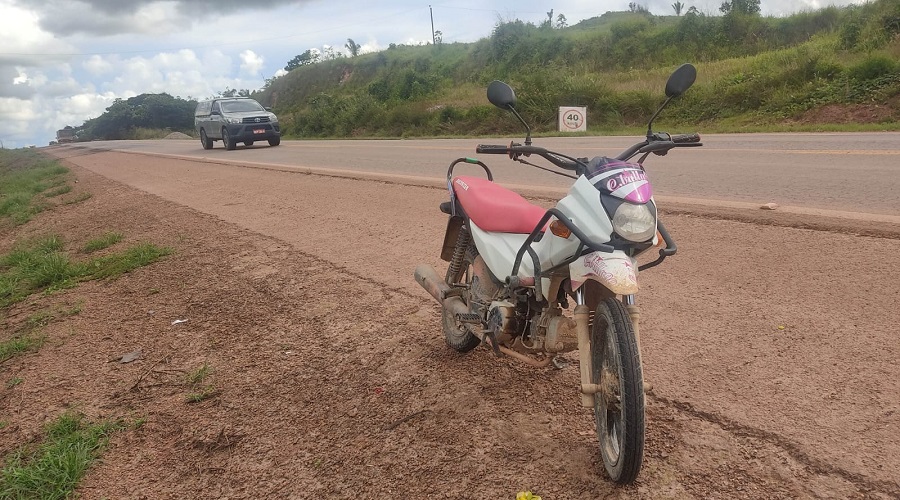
x,y
241,106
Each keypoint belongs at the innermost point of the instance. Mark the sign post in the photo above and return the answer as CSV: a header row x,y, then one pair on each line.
x,y
572,119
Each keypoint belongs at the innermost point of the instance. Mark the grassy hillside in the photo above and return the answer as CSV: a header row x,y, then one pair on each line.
x,y
834,67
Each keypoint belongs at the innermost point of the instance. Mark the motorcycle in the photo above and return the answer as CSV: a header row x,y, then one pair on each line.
x,y
514,267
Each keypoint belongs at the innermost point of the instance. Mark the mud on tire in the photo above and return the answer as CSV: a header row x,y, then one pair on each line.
x,y
619,406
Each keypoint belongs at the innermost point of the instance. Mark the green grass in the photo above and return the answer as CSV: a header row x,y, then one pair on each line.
x,y
19,344
41,264
25,340
52,469
13,382
77,199
23,175
105,241
198,375
45,317
114,265
204,394
61,190
196,379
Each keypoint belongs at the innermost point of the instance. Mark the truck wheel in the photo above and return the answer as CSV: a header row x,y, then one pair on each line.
x,y
229,143
206,141
274,141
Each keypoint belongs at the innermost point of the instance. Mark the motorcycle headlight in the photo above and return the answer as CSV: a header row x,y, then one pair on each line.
x,y
635,223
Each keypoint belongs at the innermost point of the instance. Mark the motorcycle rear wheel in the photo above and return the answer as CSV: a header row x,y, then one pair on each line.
x,y
456,334
619,405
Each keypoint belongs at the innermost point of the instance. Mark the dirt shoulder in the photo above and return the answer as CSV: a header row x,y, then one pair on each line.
x,y
330,378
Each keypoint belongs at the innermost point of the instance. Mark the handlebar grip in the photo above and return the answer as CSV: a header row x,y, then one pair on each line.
x,y
683,138
492,149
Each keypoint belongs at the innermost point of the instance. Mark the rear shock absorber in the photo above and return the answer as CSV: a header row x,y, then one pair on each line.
x,y
459,255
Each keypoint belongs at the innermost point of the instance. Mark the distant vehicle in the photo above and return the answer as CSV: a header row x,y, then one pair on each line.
x,y
65,135
233,120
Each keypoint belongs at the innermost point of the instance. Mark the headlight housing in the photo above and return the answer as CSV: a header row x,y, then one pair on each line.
x,y
273,118
636,223
233,119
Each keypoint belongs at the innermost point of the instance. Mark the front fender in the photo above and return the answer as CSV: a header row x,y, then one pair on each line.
x,y
616,271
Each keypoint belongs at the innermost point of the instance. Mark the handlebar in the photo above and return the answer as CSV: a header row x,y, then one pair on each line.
x,y
658,143
491,149
515,150
686,138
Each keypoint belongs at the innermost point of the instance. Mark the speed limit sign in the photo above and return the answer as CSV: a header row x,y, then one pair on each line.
x,y
572,119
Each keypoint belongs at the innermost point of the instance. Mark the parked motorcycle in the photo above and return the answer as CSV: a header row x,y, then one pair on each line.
x,y
514,267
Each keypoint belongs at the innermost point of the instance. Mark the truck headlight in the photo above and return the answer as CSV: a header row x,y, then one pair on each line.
x,y
635,223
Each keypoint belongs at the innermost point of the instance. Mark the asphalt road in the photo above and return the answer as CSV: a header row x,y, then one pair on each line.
x,y
855,172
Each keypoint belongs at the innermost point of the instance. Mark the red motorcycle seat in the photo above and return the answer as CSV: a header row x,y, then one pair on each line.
x,y
494,208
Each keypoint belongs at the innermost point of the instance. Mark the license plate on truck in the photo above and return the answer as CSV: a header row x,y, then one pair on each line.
x,y
259,131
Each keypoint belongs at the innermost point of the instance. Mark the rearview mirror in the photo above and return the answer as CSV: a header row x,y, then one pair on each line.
x,y
501,95
681,80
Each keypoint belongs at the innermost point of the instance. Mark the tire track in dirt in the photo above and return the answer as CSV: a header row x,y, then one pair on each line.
x,y
745,432
817,466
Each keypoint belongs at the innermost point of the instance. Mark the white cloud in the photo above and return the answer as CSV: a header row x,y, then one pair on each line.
x,y
370,46
97,66
23,42
251,63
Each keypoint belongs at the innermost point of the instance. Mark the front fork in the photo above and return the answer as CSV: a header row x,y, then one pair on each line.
x,y
582,329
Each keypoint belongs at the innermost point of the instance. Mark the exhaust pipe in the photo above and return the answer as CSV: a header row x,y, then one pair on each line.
x,y
435,286
439,289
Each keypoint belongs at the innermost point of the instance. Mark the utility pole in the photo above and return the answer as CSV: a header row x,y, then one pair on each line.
x,y
433,40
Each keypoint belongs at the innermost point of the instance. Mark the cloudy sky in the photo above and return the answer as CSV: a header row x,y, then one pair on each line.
x,y
64,61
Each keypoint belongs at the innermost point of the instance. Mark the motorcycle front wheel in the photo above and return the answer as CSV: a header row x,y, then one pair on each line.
x,y
619,405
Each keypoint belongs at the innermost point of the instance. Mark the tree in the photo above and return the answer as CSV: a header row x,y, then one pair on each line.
x,y
637,8
230,92
561,22
329,54
678,6
548,23
352,47
749,7
311,56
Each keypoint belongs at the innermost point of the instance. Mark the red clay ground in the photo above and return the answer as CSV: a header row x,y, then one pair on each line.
x,y
331,379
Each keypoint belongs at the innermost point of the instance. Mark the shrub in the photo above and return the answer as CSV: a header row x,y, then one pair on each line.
x,y
873,67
